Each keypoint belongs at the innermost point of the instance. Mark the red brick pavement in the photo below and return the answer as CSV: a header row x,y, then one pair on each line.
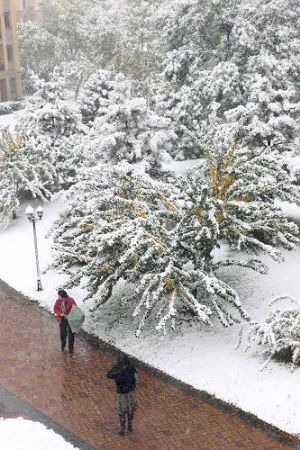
x,y
74,392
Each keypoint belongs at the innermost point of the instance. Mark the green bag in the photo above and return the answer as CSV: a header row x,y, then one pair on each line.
x,y
76,318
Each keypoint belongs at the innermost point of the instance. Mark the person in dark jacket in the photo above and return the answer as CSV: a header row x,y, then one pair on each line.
x,y
124,374
62,308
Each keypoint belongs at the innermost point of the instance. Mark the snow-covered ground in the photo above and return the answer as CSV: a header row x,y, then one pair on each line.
x,y
17,260
9,120
21,434
204,358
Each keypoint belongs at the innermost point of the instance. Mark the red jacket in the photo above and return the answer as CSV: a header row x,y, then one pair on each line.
x,y
70,302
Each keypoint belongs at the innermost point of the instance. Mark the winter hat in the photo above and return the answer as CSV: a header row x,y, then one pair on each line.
x,y
62,293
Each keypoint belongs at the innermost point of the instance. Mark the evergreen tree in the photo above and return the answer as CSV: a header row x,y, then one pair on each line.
x,y
25,168
246,185
88,34
129,131
52,121
243,72
40,51
101,90
159,236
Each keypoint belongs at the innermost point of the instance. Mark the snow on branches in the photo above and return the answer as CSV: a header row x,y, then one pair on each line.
x,y
129,131
25,167
102,89
157,235
278,336
244,184
52,121
244,71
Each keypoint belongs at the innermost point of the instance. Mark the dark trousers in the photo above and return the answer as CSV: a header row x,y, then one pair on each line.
x,y
65,330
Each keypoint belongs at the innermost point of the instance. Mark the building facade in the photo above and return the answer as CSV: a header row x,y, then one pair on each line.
x,y
12,12
27,10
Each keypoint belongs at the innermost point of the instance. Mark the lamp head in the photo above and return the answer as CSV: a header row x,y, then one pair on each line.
x,y
29,213
40,212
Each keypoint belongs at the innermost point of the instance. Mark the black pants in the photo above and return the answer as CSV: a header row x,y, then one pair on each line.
x,y
65,330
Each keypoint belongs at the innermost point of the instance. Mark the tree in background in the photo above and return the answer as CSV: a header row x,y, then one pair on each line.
x,y
40,52
102,89
130,41
129,131
53,122
88,35
230,63
26,168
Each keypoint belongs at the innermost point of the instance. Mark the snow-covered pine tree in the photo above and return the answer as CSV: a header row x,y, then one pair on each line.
x,y
102,89
269,114
193,73
247,185
25,168
244,71
52,121
129,40
130,131
40,51
159,236
49,111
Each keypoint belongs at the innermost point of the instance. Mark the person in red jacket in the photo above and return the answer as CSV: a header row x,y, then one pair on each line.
x,y
62,308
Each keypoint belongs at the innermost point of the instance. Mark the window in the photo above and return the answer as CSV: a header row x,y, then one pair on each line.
x,y
3,91
7,19
13,88
10,53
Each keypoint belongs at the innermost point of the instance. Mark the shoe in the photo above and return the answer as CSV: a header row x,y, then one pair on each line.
x,y
121,433
62,348
71,350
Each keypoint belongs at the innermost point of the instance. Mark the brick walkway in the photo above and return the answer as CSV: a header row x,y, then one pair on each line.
x,y
73,391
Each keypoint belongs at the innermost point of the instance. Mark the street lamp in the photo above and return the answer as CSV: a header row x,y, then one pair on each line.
x,y
31,217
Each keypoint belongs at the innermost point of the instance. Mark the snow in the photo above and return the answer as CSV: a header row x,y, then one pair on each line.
x,y
180,167
9,120
202,357
21,434
207,360
18,267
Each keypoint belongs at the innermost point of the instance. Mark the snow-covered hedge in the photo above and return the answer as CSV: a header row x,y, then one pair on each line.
x,y
9,107
279,336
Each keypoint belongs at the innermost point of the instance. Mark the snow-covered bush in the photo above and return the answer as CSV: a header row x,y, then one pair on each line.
x,y
25,167
51,121
160,236
278,337
244,184
9,107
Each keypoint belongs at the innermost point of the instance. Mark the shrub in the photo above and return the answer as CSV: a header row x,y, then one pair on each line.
x,y
278,336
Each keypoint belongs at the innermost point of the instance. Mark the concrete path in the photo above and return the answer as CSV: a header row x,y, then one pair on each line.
x,y
72,395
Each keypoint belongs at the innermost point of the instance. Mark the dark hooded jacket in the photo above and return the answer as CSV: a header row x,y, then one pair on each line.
x,y
124,374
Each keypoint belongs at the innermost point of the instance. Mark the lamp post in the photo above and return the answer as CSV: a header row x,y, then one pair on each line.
x,y
32,218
